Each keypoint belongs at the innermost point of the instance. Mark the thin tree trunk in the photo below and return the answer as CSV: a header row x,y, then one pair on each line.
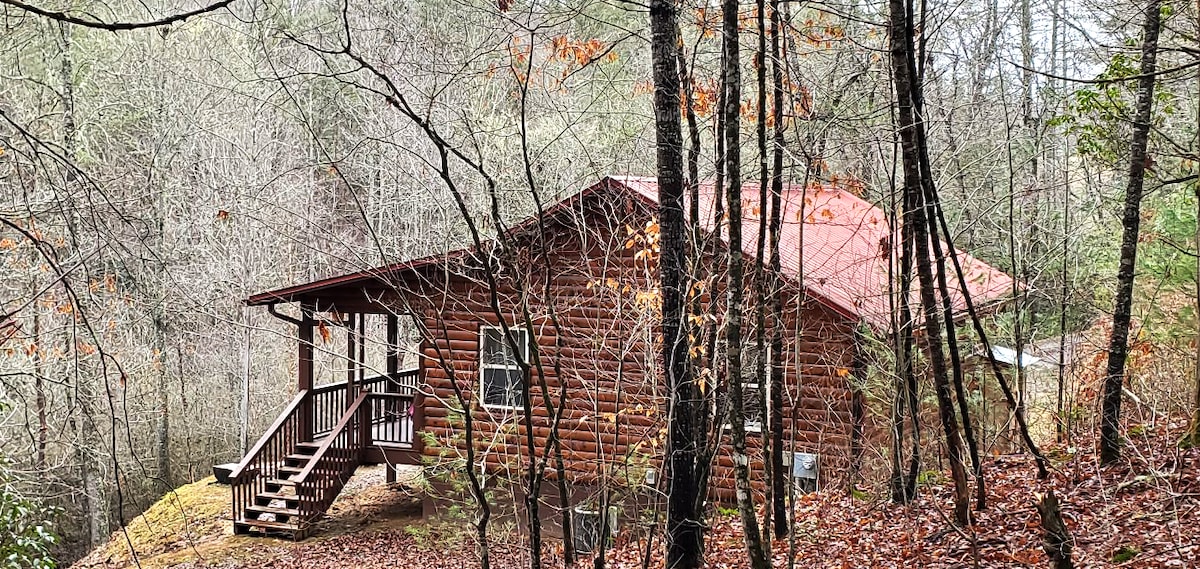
x,y
1027,78
904,478
1193,436
39,390
778,487
761,276
1118,346
1195,430
1060,411
244,403
685,537
162,447
1056,66
916,177
732,86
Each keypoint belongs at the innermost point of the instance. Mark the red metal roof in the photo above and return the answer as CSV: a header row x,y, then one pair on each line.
x,y
842,263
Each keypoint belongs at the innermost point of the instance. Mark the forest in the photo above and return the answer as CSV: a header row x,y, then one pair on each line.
x,y
162,162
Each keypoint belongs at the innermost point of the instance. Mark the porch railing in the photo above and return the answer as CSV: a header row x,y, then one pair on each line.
x,y
391,418
329,400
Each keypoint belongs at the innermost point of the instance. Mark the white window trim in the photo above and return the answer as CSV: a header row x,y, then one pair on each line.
x,y
483,365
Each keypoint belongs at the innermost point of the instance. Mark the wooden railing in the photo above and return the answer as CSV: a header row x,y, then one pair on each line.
x,y
404,382
328,403
264,460
391,418
323,476
329,400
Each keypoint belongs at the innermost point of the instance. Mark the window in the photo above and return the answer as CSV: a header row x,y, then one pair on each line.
x,y
752,407
501,378
752,392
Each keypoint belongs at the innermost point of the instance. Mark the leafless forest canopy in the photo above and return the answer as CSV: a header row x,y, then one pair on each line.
x,y
153,177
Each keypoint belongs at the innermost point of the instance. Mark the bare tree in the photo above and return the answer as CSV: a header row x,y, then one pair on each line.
x,y
1114,379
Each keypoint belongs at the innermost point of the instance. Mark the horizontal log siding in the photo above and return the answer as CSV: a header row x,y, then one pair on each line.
x,y
616,404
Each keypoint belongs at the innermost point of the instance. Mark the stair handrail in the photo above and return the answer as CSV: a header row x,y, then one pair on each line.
x,y
269,434
347,417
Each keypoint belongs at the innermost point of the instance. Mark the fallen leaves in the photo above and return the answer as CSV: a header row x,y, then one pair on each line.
x,y
1142,513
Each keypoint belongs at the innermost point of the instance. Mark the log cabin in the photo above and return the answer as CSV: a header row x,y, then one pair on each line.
x,y
567,302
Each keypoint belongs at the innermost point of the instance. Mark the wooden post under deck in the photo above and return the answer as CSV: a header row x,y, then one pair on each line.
x,y
362,348
393,366
304,379
418,401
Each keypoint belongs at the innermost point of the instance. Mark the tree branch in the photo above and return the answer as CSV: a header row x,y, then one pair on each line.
x,y
114,26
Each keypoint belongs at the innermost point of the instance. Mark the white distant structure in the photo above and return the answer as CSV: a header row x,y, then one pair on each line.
x,y
1008,356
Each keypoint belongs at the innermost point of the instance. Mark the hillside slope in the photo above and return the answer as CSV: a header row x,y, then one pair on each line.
x,y
190,526
1141,513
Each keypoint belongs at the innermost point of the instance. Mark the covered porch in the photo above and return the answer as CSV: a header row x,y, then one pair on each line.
x,y
374,370
358,401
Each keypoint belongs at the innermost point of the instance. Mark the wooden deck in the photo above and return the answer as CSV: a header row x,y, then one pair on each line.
x,y
298,467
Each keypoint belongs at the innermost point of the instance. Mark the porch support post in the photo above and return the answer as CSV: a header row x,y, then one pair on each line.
x,y
393,352
418,419
362,349
304,379
351,368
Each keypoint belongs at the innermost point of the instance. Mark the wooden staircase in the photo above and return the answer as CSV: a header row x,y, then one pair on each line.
x,y
286,483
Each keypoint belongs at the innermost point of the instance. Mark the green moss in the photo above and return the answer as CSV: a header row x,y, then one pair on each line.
x,y
1125,553
188,514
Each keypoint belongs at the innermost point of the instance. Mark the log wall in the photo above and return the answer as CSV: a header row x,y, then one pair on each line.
x,y
601,289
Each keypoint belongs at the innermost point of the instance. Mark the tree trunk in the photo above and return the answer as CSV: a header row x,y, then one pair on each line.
x,y
39,391
1118,346
162,447
1194,432
774,298
916,177
1057,540
244,400
685,537
732,83
761,275
904,478
1193,436
1060,410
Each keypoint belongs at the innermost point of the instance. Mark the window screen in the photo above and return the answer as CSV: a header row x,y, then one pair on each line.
x,y
501,377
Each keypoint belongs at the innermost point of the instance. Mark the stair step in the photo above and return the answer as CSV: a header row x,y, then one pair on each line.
x,y
268,527
297,459
268,496
285,487
290,512
307,448
290,471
